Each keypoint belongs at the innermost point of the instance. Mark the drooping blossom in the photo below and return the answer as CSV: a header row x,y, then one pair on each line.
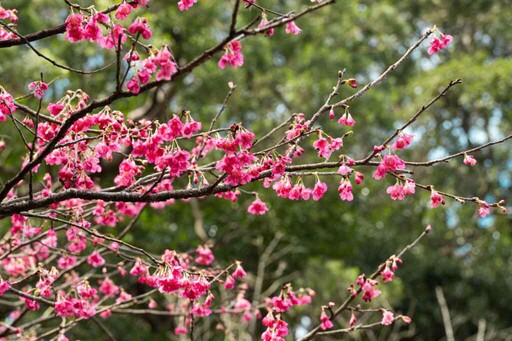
x,y
346,119
352,320
367,287
7,106
326,323
483,209
352,82
323,147
387,274
319,190
409,187
233,55
358,178
436,199
204,255
403,141
239,271
229,283
345,190
180,330
469,160
4,286
263,23
292,28
331,114
74,28
257,207
140,26
344,170
38,89
30,304
396,192
390,162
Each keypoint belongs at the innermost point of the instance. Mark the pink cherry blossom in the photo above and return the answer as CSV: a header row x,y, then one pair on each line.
x,y
263,23
38,89
7,106
233,55
74,28
257,207
323,147
229,283
345,190
180,330
483,209
403,141
387,275
352,82
396,192
123,11
95,259
140,26
326,322
359,177
436,199
387,318
409,187
185,5
353,320
292,28
205,255
319,190
344,170
4,287
437,44
346,119
469,160
239,272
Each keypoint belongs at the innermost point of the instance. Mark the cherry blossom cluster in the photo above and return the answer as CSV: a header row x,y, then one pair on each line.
x,y
277,328
11,16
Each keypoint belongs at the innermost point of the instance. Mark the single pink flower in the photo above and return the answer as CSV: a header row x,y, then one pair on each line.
x,y
95,259
239,271
180,330
469,160
319,190
123,11
257,207
185,5
436,199
483,209
140,26
387,318
292,28
326,322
